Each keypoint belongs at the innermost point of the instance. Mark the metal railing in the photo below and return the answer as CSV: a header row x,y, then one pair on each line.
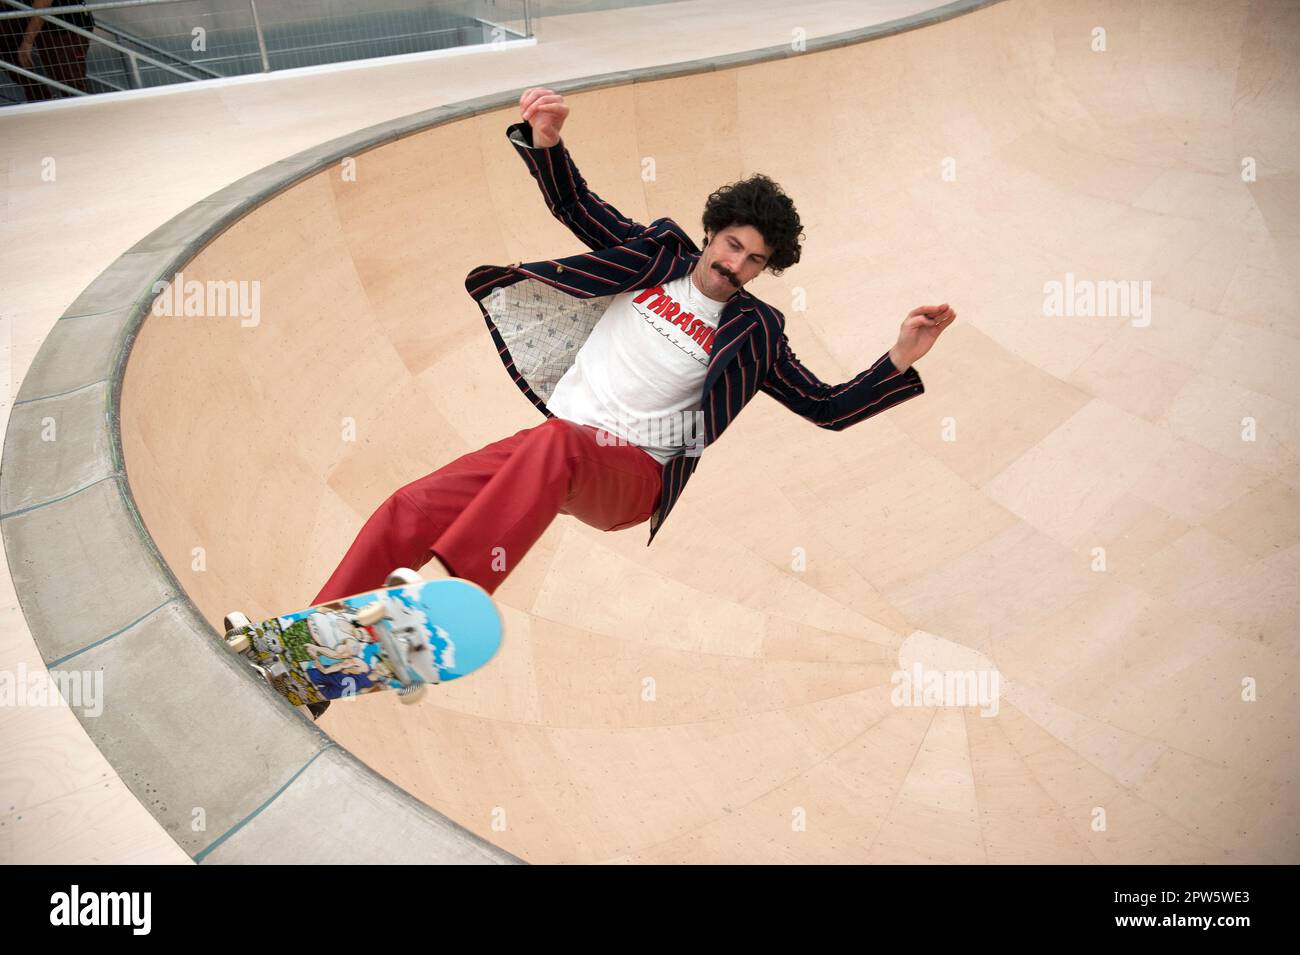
x,y
127,38
160,42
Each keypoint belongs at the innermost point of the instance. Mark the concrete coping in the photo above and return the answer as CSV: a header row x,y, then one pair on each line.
x,y
222,762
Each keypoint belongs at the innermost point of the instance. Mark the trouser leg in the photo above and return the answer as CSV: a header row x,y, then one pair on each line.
x,y
63,54
481,513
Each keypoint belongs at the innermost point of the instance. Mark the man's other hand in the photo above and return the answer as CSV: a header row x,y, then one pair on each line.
x,y
545,111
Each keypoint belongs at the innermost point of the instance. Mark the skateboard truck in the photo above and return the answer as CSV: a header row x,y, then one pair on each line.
x,y
412,663
414,666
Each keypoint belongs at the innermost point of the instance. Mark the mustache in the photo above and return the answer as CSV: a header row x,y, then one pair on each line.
x,y
725,274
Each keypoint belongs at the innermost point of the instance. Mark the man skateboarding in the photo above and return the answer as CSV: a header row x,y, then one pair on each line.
x,y
638,353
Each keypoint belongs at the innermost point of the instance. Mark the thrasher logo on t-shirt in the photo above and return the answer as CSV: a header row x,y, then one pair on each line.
x,y
641,370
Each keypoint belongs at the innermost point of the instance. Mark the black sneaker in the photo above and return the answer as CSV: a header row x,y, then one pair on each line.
x,y
318,709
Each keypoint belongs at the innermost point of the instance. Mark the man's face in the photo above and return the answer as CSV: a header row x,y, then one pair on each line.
x,y
731,259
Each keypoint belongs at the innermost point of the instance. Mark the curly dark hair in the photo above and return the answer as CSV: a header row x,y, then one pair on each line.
x,y
758,202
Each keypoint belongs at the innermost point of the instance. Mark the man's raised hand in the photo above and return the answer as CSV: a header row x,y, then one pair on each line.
x,y
545,111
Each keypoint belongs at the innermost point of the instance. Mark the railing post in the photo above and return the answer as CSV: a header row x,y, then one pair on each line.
x,y
136,82
261,40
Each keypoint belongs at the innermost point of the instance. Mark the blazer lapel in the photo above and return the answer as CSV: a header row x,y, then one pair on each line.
x,y
732,332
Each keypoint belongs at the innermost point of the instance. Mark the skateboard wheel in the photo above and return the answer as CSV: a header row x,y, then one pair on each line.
x,y
402,576
236,639
371,614
413,694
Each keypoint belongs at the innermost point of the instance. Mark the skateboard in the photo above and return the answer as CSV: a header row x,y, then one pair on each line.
x,y
404,636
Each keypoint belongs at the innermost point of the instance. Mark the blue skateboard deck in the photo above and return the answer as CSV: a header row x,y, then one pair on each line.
x,y
401,638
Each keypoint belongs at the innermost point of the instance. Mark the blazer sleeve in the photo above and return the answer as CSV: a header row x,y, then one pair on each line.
x,y
837,407
591,218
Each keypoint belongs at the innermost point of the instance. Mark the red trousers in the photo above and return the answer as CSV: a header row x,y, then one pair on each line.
x,y
481,513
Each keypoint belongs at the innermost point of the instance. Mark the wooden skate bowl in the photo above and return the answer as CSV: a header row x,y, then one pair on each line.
x,y
1071,501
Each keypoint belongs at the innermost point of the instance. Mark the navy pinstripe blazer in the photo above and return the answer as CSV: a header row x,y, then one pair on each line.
x,y
540,313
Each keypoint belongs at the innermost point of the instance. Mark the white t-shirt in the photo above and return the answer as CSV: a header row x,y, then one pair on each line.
x,y
640,371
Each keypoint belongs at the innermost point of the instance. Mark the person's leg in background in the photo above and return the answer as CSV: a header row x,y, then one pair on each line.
x,y
63,54
11,35
480,514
